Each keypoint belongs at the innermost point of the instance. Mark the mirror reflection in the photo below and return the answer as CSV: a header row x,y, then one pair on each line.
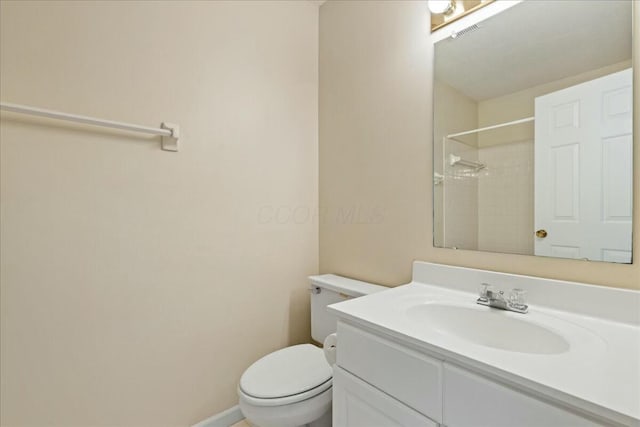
x,y
533,132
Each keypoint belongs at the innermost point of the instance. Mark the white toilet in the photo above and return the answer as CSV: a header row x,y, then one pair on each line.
x,y
292,387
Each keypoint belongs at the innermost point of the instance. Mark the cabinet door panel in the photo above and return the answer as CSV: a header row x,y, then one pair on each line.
x,y
471,400
407,375
357,404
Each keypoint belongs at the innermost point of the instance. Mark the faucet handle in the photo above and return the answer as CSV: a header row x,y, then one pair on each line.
x,y
517,298
485,289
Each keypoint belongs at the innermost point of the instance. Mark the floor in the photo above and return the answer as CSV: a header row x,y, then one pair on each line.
x,y
242,423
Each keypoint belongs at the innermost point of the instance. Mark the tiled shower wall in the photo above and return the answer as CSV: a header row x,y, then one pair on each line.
x,y
460,199
506,198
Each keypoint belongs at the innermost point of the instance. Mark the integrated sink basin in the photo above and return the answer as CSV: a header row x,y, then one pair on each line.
x,y
489,327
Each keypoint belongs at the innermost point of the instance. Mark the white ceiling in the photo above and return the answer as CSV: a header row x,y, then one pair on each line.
x,y
535,42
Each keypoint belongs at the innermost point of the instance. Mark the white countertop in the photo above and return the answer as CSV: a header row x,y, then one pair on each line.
x,y
600,374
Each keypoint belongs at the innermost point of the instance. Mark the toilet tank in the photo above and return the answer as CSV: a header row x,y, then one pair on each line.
x,y
329,289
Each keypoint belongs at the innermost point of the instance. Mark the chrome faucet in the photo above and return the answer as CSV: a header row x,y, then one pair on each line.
x,y
491,298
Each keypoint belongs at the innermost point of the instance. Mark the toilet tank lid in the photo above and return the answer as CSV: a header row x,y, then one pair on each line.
x,y
344,285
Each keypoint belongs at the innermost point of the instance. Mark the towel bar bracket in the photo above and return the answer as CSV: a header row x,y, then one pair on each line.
x,y
170,142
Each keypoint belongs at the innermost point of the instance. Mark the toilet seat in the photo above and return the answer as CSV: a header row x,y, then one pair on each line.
x,y
286,376
286,400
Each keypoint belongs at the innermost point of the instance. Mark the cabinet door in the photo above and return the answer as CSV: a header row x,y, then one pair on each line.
x,y
413,378
471,400
357,404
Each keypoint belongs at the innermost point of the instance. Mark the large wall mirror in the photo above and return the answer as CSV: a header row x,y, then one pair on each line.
x,y
533,129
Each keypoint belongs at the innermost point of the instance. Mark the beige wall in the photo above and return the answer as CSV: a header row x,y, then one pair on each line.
x,y
375,147
137,284
375,128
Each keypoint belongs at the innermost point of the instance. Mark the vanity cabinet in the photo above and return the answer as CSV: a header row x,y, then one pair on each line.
x,y
380,382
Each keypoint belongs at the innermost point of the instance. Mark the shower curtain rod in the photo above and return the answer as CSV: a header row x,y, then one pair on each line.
x,y
515,122
170,133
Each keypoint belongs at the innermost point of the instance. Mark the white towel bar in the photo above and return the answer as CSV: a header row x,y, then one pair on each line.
x,y
170,133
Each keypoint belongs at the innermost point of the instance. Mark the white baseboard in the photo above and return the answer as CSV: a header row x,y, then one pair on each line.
x,y
225,418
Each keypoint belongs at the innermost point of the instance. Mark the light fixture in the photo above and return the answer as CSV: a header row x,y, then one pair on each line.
x,y
442,7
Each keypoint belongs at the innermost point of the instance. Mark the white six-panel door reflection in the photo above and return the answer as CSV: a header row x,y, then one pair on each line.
x,y
584,170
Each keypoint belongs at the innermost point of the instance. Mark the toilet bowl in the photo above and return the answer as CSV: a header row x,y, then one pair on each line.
x,y
287,388
291,387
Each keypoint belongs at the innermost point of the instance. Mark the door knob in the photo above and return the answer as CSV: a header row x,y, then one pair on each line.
x,y
541,233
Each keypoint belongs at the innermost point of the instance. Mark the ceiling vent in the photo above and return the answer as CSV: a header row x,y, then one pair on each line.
x,y
465,31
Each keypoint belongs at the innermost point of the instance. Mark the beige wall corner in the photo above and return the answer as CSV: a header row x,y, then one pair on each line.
x,y
137,284
376,157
